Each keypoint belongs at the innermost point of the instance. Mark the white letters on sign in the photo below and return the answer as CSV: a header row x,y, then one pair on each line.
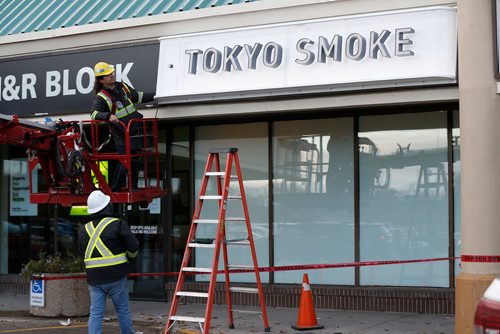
x,y
384,49
62,82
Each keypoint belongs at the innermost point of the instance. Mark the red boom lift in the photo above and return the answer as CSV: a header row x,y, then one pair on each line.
x,y
69,155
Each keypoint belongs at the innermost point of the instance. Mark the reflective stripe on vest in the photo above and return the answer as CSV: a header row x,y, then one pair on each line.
x,y
107,258
93,115
113,108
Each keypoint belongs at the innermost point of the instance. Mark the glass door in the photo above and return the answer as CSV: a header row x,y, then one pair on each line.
x,y
149,226
180,195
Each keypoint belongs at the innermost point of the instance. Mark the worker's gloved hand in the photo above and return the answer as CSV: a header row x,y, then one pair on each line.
x,y
113,119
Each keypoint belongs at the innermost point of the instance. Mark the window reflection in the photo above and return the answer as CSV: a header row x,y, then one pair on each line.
x,y
180,194
455,142
313,198
148,226
404,198
251,141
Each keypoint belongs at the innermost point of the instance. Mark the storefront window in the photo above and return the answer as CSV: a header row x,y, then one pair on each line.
x,y
403,202
455,142
404,198
24,231
313,185
180,194
63,230
148,226
251,141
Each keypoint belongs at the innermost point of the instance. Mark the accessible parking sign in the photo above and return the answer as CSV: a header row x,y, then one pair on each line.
x,y
37,293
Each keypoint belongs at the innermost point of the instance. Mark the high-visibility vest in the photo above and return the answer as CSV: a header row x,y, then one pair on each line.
x,y
117,110
106,258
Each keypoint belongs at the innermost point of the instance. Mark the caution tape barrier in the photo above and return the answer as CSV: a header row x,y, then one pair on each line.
x,y
275,268
481,258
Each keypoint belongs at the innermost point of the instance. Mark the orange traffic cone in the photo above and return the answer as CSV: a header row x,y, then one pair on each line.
x,y
307,316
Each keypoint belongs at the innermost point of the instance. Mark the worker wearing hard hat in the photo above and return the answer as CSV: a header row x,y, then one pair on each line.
x,y
106,245
114,102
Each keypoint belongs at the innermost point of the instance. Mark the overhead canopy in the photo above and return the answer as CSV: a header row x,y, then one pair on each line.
x,y
22,16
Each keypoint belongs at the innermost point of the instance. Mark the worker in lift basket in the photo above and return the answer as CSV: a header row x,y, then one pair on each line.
x,y
106,245
114,102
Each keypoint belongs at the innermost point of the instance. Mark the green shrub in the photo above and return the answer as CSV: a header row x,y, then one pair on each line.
x,y
52,265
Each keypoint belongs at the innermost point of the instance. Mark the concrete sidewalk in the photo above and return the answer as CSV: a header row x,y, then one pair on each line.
x,y
150,318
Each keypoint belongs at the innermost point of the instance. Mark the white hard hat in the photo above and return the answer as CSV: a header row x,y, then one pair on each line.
x,y
97,201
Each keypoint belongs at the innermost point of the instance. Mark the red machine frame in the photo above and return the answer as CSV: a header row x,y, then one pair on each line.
x,y
69,161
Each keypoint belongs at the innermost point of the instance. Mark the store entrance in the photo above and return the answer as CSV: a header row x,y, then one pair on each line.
x,y
150,226
180,195
146,224
163,227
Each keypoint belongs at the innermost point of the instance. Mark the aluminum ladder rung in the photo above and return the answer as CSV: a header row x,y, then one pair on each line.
x,y
238,242
216,221
187,319
234,219
234,177
215,173
198,245
239,266
243,290
192,294
219,197
246,311
206,221
196,269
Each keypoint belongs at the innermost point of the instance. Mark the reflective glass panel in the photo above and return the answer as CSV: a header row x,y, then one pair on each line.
x,y
26,229
148,226
404,198
251,141
181,214
455,142
313,198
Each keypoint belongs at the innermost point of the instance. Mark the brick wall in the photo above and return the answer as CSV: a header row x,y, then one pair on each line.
x,y
382,299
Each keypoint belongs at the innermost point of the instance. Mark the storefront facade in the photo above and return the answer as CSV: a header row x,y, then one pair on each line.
x,y
346,116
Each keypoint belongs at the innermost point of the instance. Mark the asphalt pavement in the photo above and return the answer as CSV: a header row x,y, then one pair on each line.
x,y
151,317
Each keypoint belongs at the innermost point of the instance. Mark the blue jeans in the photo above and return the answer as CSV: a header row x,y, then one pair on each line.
x,y
118,292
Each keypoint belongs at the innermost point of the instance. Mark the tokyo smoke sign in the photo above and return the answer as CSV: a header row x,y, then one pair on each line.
x,y
400,48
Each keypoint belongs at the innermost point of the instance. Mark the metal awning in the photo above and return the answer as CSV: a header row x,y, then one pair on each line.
x,y
23,16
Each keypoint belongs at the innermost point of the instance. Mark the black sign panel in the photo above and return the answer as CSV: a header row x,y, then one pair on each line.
x,y
63,84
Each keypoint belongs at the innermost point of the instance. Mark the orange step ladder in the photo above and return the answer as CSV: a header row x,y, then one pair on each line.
x,y
223,179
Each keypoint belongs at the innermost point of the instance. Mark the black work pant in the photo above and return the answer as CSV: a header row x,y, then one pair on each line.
x,y
120,174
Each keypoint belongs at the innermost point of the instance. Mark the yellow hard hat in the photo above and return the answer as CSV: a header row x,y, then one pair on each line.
x,y
102,69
